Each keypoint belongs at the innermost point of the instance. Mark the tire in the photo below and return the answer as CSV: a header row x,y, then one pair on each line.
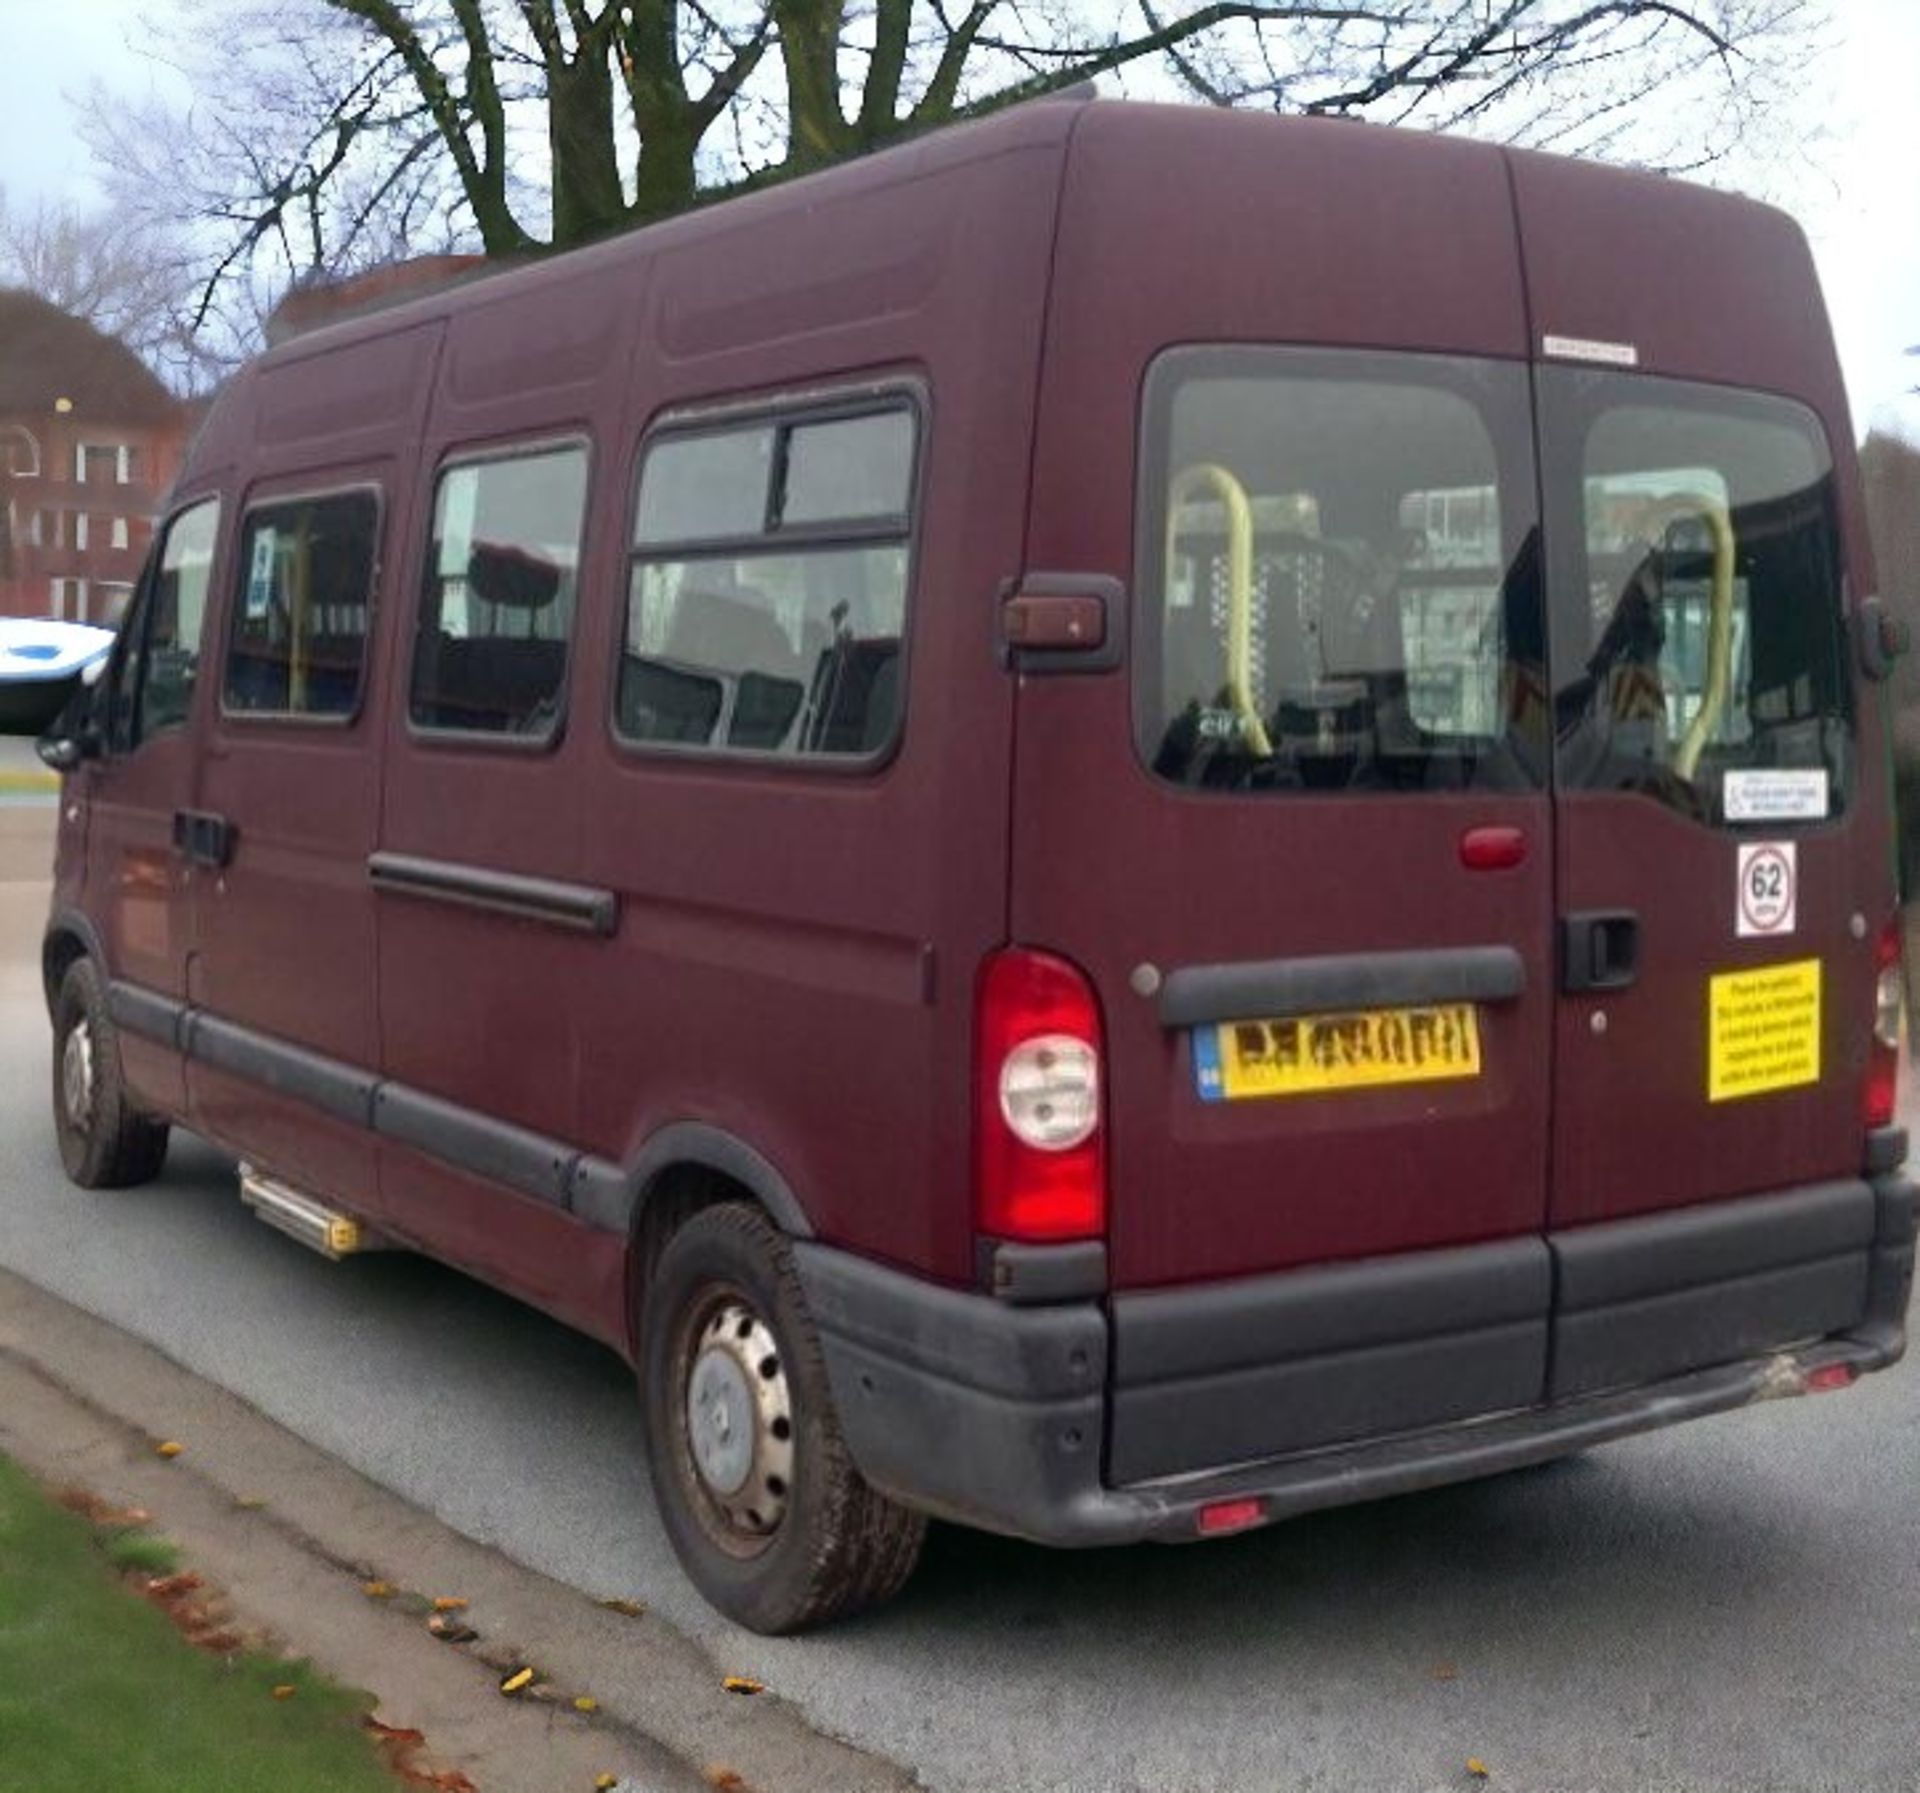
x,y
798,1537
105,1142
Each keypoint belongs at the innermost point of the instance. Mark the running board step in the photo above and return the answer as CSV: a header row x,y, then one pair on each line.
x,y
316,1226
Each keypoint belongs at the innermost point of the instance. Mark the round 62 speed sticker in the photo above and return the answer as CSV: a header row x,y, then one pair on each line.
x,y
1766,893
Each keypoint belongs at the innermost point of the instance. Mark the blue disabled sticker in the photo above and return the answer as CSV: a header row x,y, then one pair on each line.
x,y
1207,1077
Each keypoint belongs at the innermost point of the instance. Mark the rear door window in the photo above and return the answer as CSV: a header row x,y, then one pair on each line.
x,y
1695,576
1340,573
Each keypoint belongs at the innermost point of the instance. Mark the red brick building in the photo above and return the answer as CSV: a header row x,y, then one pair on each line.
x,y
90,441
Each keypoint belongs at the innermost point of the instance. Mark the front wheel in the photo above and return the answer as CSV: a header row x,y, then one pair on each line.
x,y
765,1509
105,1143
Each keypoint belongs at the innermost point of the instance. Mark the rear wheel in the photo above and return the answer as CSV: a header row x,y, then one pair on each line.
x,y
105,1143
765,1509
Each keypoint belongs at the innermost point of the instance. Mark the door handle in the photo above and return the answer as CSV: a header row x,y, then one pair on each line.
x,y
1599,950
203,837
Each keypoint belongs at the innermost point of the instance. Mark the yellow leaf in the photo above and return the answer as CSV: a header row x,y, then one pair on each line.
x,y
740,1684
449,1603
601,1782
168,1449
1477,1768
630,1609
586,1703
520,1678
251,1503
283,1692
377,1590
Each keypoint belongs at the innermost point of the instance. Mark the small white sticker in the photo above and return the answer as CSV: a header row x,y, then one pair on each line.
x,y
1581,348
1771,795
1765,900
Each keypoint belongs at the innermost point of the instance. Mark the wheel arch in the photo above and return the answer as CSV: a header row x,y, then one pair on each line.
x,y
69,936
684,1167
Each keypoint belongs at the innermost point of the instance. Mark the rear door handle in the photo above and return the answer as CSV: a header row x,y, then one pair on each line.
x,y
202,837
1599,950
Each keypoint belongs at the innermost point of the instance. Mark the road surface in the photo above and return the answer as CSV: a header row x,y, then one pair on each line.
x,y
1732,1605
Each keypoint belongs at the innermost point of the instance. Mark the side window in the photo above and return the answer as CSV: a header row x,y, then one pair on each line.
x,y
496,610
161,660
301,615
767,599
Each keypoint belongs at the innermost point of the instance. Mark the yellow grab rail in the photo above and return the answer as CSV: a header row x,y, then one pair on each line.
x,y
1186,483
1713,700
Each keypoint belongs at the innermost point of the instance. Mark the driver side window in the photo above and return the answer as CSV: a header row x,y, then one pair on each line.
x,y
153,688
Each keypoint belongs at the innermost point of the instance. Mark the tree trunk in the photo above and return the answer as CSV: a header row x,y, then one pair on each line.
x,y
587,200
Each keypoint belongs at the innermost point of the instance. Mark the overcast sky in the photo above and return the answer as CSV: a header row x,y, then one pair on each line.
x,y
1856,188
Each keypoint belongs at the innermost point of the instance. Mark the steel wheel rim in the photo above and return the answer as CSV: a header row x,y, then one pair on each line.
x,y
76,1075
736,1421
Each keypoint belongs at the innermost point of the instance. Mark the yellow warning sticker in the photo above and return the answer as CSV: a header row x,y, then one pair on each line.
x,y
1336,1052
1763,1030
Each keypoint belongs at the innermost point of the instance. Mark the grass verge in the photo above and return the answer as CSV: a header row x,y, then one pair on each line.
x,y
99,1691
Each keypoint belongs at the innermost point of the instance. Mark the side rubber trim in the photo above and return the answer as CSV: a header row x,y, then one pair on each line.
x,y
597,1191
1268,989
336,1089
528,1162
148,1014
1033,1275
1886,1150
578,907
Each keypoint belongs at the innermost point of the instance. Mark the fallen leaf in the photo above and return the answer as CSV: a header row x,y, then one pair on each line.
x,y
168,1448
1477,1768
250,1503
520,1678
725,1779
284,1691
451,1631
630,1609
1446,1671
377,1590
741,1684
449,1603
603,1782
586,1703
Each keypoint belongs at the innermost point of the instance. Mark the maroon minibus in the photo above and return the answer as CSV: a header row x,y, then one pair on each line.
x,y
1125,822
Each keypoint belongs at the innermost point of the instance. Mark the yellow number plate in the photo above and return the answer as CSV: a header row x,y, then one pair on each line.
x,y
1312,1053
1763,1030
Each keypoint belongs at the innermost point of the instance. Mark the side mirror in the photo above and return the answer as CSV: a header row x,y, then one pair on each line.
x,y
64,753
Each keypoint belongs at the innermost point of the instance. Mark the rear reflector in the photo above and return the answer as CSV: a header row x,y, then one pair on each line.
x,y
1830,1377
1883,1050
1228,1516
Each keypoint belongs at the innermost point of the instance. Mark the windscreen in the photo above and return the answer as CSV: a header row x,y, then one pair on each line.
x,y
1339,573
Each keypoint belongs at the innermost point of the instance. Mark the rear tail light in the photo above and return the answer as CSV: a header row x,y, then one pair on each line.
x,y
1883,1051
1039,1138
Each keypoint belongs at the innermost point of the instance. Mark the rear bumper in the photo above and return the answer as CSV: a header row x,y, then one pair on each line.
x,y
1003,1417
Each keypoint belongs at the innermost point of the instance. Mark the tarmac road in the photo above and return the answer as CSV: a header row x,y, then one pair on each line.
x,y
1732,1605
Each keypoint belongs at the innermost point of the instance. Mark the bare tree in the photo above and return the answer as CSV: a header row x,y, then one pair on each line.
x,y
335,133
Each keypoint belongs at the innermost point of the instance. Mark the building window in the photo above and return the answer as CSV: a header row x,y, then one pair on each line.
x,y
110,600
496,610
123,468
120,532
19,452
767,598
299,639
69,600
98,463
80,531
